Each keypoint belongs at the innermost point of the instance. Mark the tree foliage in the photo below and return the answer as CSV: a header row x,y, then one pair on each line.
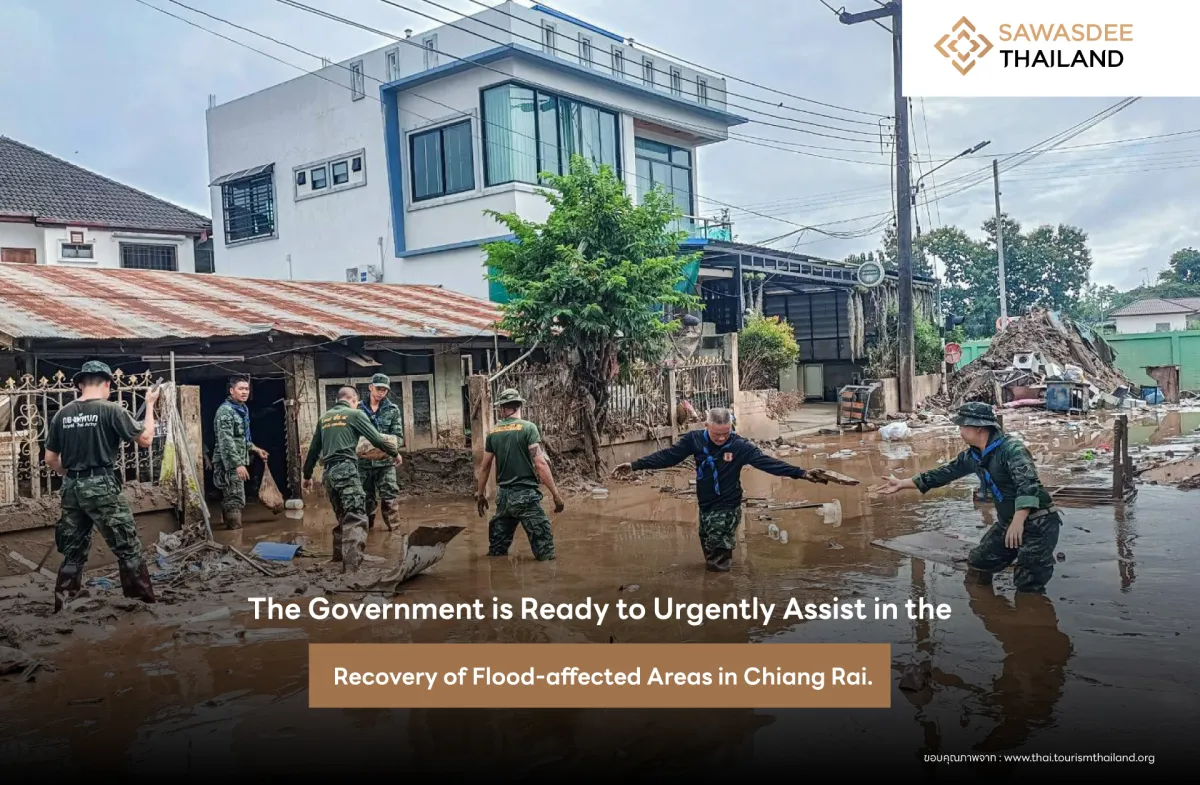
x,y
766,345
590,286
883,351
889,255
1048,266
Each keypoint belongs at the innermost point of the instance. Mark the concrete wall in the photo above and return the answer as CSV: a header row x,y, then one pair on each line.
x,y
1148,323
750,408
106,245
886,400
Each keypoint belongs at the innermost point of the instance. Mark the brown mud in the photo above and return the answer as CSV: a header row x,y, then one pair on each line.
x,y
1107,656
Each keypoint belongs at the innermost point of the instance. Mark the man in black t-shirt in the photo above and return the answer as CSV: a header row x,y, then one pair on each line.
x,y
83,444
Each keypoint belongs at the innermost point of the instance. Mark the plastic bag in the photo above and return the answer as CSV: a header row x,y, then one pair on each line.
x,y
1073,373
268,493
369,452
894,432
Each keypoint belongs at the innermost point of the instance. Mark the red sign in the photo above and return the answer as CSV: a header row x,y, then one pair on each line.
x,y
953,353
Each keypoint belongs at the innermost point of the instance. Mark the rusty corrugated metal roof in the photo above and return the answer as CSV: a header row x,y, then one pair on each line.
x,y
46,301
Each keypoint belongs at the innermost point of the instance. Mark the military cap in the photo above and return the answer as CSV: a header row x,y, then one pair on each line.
x,y
977,414
509,396
93,367
381,380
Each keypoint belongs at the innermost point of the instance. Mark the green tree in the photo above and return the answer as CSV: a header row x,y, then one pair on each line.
x,y
889,255
1095,304
1184,267
590,286
766,345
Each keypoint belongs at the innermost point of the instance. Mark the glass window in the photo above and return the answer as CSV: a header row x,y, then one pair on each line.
x,y
585,51
318,178
356,164
510,135
357,89
341,172
393,64
520,146
301,178
618,61
676,81
670,168
442,161
431,51
702,91
148,257
76,251
648,72
249,207
204,257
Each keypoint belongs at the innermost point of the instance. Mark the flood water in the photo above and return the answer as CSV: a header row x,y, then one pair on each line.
x,y
1106,662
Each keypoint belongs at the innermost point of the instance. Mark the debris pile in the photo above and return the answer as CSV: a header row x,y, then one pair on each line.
x,y
1031,351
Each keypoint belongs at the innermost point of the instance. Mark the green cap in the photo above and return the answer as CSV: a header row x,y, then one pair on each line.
x,y
93,367
381,380
510,395
977,414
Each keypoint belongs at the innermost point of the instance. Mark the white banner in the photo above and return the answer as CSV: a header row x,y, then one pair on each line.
x,y
1050,48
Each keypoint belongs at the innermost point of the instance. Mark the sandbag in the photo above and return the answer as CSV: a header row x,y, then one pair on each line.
x,y
369,452
268,493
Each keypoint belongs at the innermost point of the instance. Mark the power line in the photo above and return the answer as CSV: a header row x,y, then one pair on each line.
x,y
499,10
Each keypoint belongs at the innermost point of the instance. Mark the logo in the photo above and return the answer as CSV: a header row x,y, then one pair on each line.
x,y
963,46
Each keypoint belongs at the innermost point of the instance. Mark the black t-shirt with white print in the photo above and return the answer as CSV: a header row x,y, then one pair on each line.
x,y
88,434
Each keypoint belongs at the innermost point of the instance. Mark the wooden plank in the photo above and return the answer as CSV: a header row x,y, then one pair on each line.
x,y
930,546
193,432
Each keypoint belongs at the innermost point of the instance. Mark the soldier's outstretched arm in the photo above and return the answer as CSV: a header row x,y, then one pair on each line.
x,y
945,474
363,427
674,455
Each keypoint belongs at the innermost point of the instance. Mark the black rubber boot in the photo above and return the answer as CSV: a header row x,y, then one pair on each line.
x,y
233,519
337,543
719,560
135,580
67,585
370,520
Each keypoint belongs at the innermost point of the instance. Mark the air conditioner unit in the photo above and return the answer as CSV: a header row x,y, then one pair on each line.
x,y
365,274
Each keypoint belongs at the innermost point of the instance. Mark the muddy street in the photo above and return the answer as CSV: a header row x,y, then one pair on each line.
x,y
196,685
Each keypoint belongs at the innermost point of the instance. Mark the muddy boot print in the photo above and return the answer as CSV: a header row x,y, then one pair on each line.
x,y
233,519
67,585
135,580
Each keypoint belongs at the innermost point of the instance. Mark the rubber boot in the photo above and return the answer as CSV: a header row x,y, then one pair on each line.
x,y
135,580
391,514
978,577
354,541
337,542
719,560
67,585
370,520
233,519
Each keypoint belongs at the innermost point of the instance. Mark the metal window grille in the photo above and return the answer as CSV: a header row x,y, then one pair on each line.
x,y
249,207
149,257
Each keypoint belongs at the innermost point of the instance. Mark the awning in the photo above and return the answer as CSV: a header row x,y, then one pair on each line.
x,y
229,178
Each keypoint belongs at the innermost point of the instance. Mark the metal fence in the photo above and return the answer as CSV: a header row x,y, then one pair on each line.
x,y
705,382
27,407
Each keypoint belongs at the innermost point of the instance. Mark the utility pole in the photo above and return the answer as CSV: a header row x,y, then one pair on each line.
x,y
1000,246
905,328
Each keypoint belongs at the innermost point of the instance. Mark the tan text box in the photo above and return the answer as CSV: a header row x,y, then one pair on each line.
x,y
599,676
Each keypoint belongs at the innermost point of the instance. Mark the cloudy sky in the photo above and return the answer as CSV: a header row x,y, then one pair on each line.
x,y
122,89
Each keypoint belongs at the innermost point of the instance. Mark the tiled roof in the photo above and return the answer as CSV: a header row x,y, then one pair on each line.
x,y
1150,307
37,185
41,301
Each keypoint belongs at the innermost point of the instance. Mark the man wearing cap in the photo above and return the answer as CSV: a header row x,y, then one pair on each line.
x,y
379,476
83,444
231,458
335,444
515,446
719,454
1027,526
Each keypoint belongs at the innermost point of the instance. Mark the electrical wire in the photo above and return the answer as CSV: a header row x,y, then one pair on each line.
x,y
499,10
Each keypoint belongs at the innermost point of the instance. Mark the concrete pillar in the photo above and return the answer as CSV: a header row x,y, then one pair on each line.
x,y
481,422
448,382
303,408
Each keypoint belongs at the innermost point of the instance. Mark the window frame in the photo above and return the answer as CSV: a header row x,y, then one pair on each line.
x,y
412,169
333,175
304,190
618,56
358,83
272,209
676,74
391,63
312,177
173,247
549,41
63,245
701,91
585,46
648,71
430,51
618,170
670,161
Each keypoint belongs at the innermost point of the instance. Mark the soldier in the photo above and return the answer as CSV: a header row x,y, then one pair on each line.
x,y
1028,522
379,476
335,443
83,444
719,454
515,446
231,457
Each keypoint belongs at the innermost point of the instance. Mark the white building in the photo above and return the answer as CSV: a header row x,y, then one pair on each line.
x,y
389,160
1156,315
56,213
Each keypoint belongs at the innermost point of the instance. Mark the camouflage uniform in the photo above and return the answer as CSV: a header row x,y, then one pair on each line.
x,y
1007,470
379,476
520,506
718,531
87,436
334,444
232,450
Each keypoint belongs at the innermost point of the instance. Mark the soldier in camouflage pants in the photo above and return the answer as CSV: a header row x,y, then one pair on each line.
x,y
379,475
520,506
344,490
718,536
97,499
